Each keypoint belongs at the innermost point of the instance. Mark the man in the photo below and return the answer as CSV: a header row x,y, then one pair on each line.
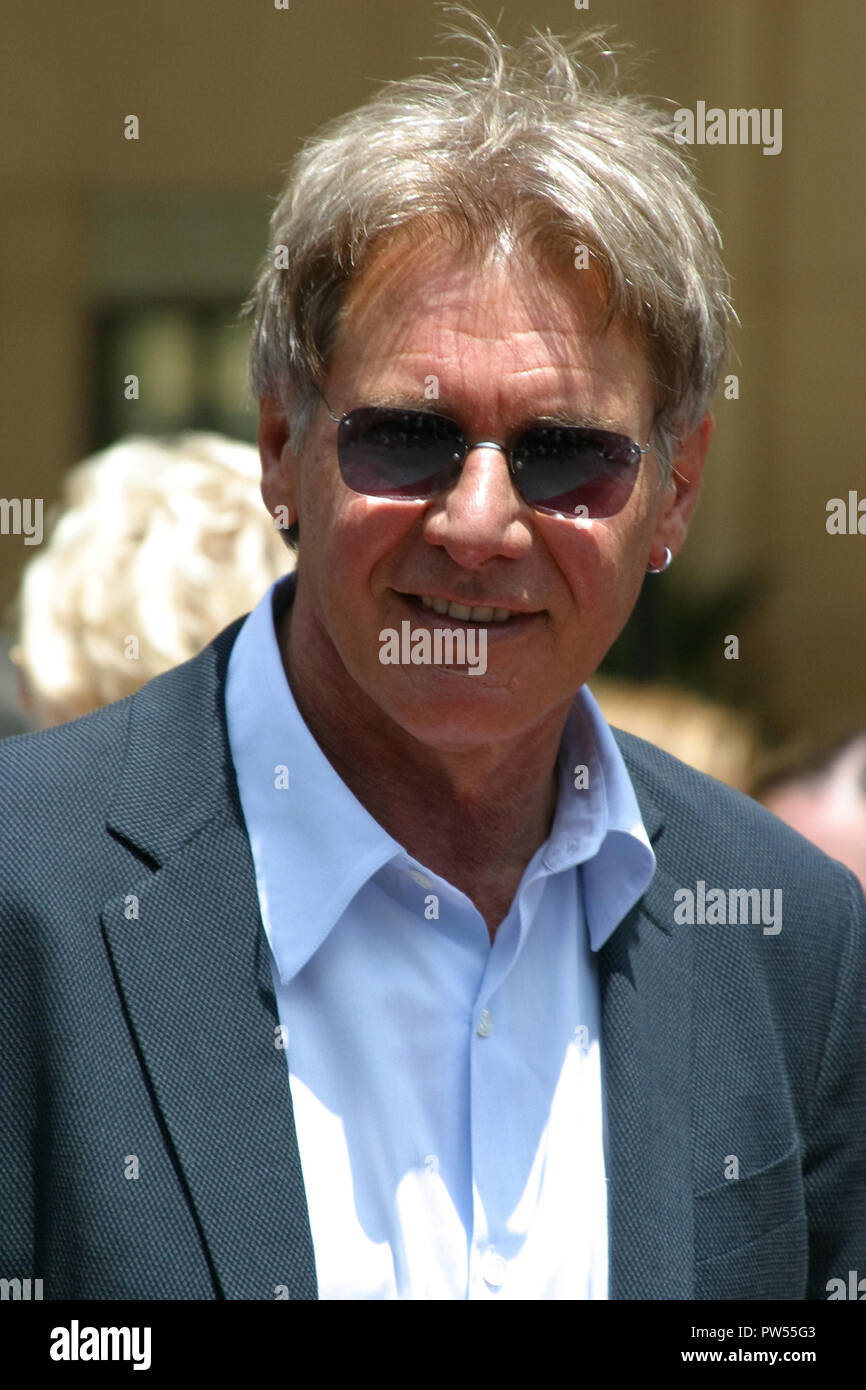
x,y
345,963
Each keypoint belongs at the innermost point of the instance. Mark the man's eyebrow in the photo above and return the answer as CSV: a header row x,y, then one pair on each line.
x,y
580,419
584,419
402,400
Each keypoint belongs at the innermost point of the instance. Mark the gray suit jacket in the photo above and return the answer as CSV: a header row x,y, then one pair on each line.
x,y
139,1025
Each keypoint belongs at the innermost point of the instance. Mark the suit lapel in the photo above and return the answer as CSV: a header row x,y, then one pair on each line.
x,y
645,976
193,969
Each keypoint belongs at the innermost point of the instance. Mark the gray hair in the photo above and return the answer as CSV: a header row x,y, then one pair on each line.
x,y
526,146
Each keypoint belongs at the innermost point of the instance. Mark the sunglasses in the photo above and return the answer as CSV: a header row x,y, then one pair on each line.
x,y
409,455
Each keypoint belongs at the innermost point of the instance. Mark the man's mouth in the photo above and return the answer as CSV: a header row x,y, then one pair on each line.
x,y
468,613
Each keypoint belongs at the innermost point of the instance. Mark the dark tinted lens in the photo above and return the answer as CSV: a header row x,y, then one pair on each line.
x,y
385,452
575,472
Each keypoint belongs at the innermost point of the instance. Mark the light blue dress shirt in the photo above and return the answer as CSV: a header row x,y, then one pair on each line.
x,y
447,1092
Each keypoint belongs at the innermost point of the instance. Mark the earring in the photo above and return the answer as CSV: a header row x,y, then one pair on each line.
x,y
662,567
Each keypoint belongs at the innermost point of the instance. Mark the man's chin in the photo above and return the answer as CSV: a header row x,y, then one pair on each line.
x,y
454,709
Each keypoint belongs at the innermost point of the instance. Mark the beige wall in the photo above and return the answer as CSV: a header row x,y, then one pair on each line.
x,y
225,90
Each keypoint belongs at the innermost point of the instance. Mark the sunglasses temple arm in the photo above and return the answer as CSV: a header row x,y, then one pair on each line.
x,y
335,418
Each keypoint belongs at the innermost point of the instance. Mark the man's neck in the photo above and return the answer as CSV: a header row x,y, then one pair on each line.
x,y
474,817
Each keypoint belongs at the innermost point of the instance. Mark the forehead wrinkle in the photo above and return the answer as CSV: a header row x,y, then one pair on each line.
x,y
456,349
455,339
470,382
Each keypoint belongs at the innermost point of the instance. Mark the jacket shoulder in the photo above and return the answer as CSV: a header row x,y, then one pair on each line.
x,y
58,769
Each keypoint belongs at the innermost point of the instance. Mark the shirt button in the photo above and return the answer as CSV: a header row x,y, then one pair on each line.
x,y
485,1025
423,880
494,1269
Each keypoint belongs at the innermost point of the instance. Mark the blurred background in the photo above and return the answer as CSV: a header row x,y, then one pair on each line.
x,y
122,257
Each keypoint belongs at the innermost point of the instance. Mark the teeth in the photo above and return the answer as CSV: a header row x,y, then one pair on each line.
x,y
479,614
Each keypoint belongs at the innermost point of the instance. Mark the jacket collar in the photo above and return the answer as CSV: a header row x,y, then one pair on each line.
x,y
176,724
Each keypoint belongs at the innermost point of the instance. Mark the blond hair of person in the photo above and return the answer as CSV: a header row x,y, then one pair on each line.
x,y
156,546
707,735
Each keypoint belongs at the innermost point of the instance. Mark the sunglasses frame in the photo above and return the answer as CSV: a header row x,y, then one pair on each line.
x,y
513,468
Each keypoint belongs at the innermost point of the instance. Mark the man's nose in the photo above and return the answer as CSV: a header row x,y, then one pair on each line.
x,y
481,513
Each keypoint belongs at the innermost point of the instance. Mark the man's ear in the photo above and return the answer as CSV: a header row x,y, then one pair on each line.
x,y
681,495
279,463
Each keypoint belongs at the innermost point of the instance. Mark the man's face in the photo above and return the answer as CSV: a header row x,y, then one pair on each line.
x,y
505,346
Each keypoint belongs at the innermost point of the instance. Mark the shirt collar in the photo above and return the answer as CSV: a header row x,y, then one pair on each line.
x,y
300,813
617,857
